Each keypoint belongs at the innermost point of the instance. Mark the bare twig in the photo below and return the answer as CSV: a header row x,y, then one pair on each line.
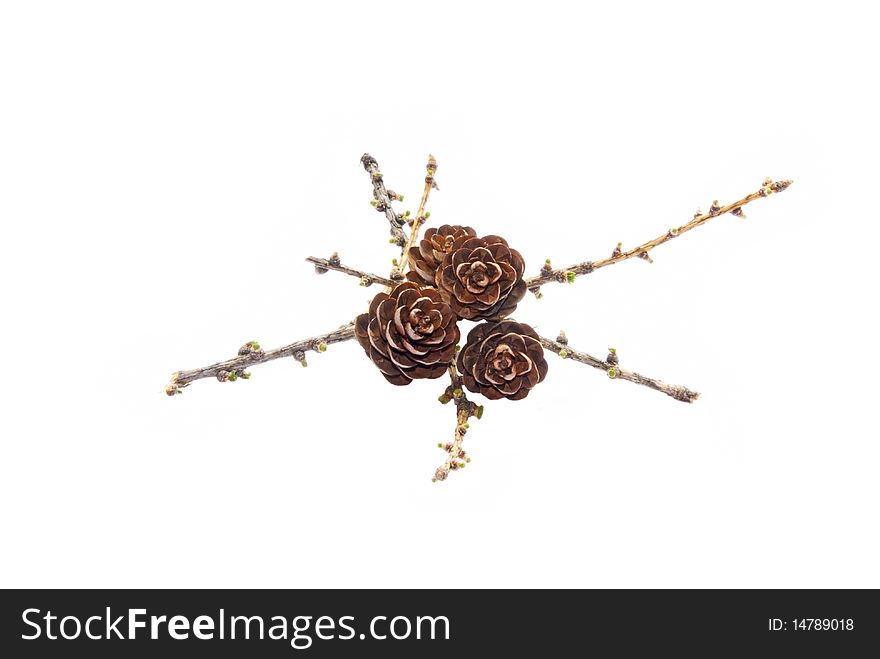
x,y
613,370
430,183
568,274
367,278
251,354
382,200
456,458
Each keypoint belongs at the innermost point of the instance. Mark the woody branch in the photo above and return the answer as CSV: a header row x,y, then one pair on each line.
x,y
421,214
251,354
382,198
456,458
333,263
612,368
549,274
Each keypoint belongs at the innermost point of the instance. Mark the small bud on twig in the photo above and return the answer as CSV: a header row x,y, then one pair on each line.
x,y
779,186
249,348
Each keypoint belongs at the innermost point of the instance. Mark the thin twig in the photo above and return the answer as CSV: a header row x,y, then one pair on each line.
x,y
613,370
382,199
366,278
430,183
251,354
568,274
456,458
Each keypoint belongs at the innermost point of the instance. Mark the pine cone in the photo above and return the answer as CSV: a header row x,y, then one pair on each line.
x,y
409,334
427,257
481,277
502,360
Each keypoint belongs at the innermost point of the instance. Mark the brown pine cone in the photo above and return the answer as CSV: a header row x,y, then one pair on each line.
x,y
481,277
409,334
502,360
428,255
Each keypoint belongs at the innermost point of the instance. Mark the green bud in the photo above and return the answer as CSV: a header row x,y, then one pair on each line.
x,y
479,412
563,353
427,214
304,363
400,197
373,202
457,393
233,376
570,276
246,375
255,345
322,347
612,373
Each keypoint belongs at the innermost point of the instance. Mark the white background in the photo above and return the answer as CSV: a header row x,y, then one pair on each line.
x,y
166,166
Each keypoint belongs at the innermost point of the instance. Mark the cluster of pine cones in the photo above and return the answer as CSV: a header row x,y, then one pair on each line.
x,y
412,332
